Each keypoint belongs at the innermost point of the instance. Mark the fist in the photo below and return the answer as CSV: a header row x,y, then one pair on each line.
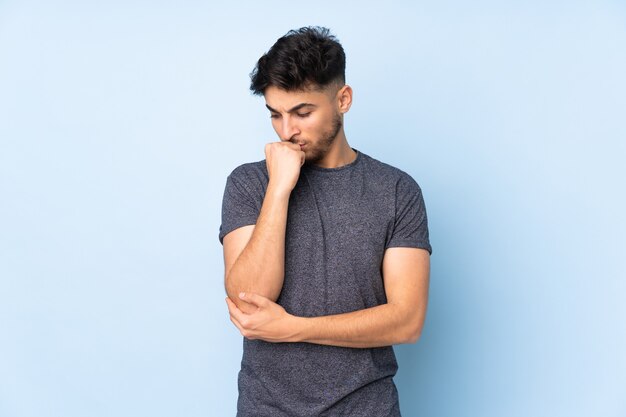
x,y
283,160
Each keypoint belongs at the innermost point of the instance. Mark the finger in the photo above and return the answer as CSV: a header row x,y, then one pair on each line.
x,y
234,310
291,145
239,322
230,304
302,158
256,299
244,332
236,323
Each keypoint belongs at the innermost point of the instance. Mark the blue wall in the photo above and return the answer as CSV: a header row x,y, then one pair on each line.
x,y
119,122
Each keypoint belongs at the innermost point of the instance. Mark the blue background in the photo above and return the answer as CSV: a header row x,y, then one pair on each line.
x,y
119,122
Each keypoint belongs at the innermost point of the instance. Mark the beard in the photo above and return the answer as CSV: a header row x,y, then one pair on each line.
x,y
320,150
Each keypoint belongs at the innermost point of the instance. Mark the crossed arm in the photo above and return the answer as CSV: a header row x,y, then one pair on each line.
x,y
254,271
405,272
406,276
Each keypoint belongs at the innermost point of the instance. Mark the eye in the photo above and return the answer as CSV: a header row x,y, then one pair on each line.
x,y
274,116
303,115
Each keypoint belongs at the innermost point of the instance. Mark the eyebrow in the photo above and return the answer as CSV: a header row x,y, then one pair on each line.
x,y
293,109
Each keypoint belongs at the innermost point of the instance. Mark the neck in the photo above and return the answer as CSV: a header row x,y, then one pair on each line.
x,y
339,155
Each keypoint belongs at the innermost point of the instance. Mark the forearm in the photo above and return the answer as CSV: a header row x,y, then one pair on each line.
x,y
400,320
260,266
383,325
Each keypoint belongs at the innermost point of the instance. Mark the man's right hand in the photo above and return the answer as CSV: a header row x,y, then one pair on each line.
x,y
283,160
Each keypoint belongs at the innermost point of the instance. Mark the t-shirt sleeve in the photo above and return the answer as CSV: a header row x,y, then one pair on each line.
x,y
411,223
239,207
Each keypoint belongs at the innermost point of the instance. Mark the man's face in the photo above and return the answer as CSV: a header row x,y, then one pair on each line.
x,y
309,118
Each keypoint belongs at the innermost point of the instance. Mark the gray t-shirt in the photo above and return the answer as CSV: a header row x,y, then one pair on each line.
x,y
339,223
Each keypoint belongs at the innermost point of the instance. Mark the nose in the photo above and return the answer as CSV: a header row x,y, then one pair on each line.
x,y
288,129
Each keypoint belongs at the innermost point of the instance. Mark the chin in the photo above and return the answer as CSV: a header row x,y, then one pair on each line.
x,y
313,157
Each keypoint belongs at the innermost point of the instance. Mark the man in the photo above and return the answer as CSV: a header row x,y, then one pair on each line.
x,y
326,249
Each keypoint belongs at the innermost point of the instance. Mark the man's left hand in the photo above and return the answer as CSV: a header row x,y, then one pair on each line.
x,y
269,322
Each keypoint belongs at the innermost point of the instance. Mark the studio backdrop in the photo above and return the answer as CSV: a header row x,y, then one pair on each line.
x,y
120,121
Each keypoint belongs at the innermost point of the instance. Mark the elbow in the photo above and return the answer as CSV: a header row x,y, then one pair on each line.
x,y
410,325
413,332
233,289
413,336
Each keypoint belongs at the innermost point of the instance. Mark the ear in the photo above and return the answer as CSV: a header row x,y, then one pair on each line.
x,y
344,98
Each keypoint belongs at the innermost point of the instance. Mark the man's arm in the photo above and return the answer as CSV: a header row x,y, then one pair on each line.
x,y
406,276
254,256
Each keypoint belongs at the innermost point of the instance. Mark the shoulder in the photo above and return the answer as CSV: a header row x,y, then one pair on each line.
x,y
389,174
249,170
251,175
247,181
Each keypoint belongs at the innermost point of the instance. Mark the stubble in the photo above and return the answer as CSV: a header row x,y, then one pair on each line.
x,y
326,142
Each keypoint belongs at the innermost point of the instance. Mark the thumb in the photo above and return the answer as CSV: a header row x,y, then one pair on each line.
x,y
252,298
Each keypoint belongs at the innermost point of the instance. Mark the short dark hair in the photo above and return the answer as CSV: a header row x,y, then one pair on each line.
x,y
309,57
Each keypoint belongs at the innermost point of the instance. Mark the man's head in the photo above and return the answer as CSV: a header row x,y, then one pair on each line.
x,y
305,58
302,78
